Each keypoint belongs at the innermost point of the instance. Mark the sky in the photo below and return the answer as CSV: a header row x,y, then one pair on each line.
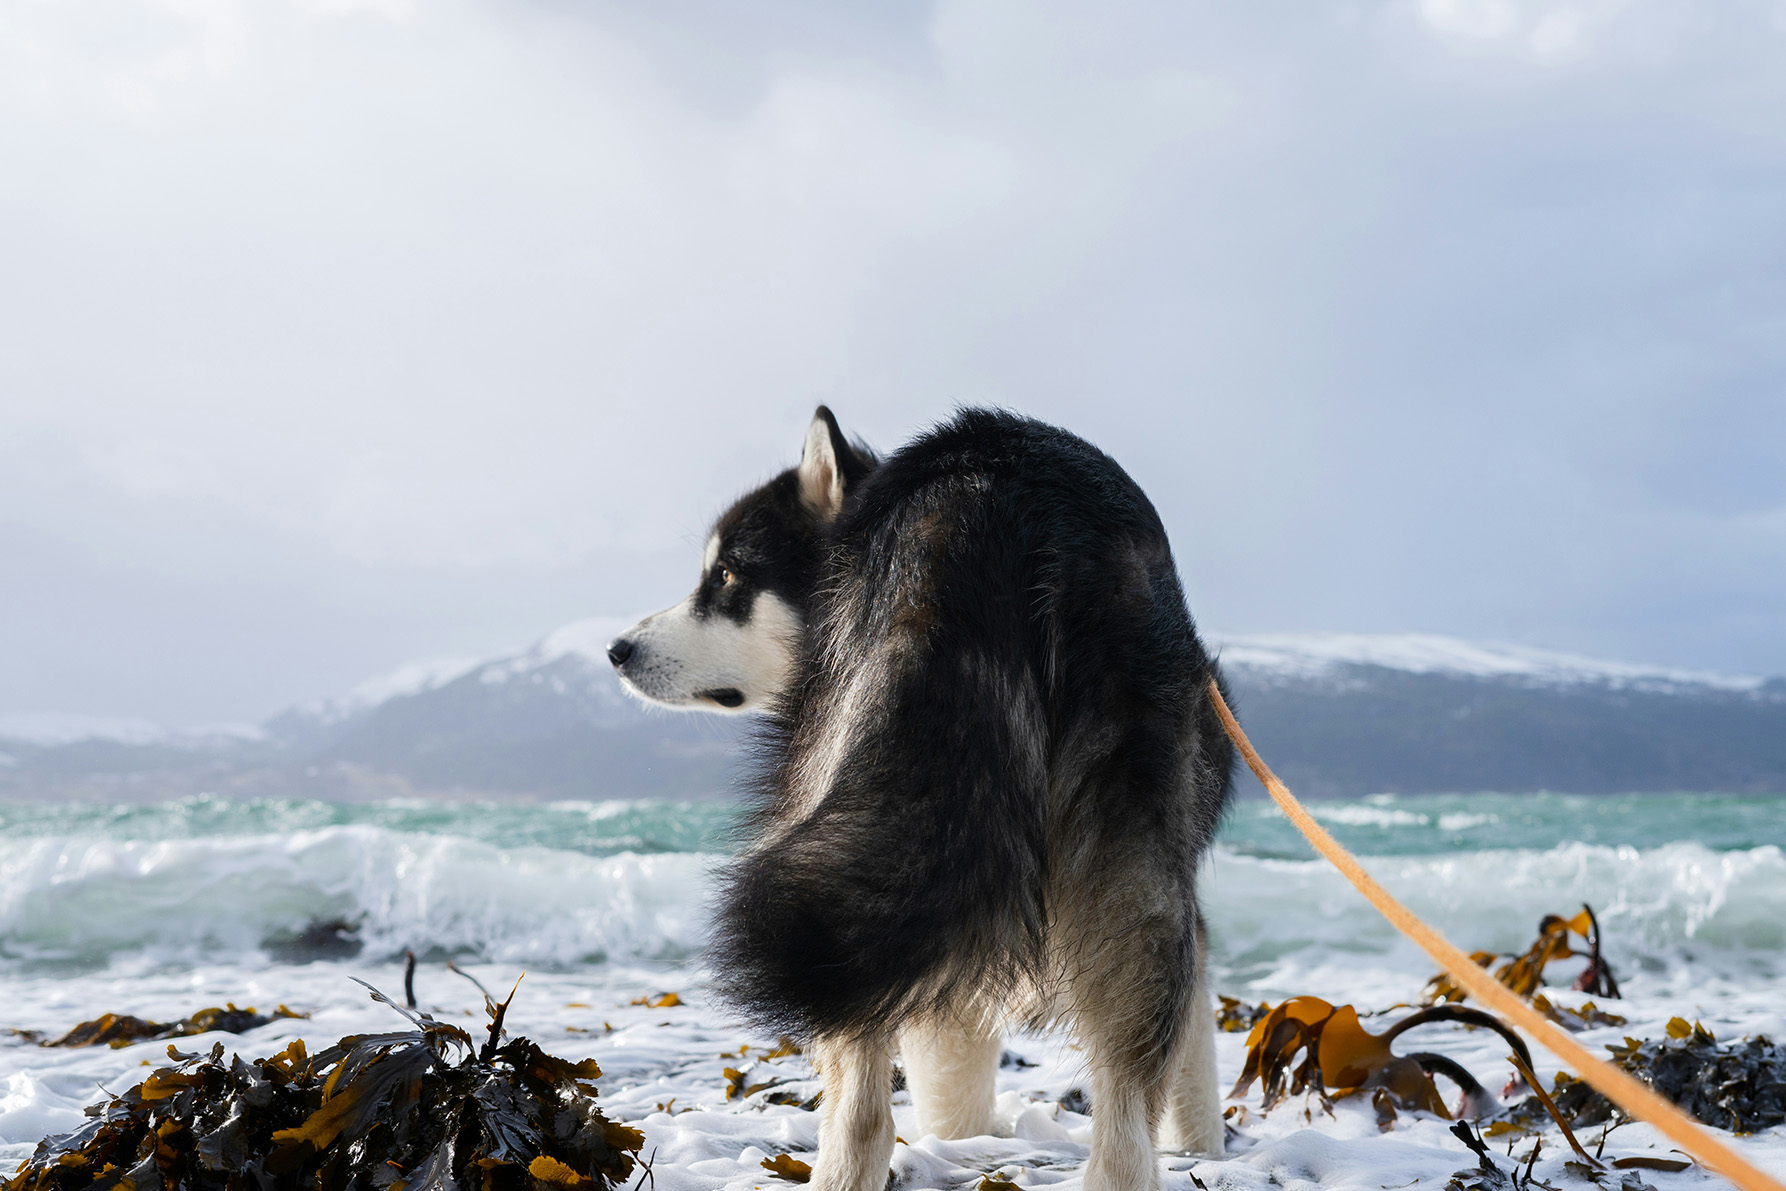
x,y
340,333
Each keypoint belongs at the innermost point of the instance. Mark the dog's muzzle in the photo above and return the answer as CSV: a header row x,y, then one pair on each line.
x,y
619,650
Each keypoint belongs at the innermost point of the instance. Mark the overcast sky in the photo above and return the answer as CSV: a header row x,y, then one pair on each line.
x,y
337,333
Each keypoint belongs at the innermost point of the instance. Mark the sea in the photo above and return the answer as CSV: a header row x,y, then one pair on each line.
x,y
599,908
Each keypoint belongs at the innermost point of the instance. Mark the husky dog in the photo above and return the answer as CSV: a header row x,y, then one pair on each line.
x,y
990,770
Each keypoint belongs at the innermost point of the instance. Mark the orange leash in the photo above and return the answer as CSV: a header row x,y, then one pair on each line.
x,y
1629,1094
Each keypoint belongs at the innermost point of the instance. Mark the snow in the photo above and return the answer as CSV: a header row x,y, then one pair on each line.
x,y
53,729
584,640
411,678
1316,655
664,1072
47,729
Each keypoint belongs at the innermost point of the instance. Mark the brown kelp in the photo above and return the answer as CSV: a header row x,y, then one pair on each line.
x,y
1524,973
1340,1058
121,1029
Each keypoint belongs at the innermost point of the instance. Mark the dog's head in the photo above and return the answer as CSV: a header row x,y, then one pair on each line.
x,y
733,644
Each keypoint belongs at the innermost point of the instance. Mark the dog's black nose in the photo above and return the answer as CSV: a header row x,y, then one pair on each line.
x,y
619,649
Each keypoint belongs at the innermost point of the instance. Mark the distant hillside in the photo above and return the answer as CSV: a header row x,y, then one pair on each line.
x,y
549,722
1339,715
1334,714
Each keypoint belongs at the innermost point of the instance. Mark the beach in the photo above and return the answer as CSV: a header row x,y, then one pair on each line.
x,y
159,909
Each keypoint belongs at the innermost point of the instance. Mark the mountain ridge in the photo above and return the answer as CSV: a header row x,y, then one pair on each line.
x,y
1337,713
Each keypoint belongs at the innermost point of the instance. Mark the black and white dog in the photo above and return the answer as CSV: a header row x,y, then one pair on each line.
x,y
990,772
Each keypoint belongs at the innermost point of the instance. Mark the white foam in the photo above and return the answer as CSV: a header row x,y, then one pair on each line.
x,y
1370,816
1673,909
96,900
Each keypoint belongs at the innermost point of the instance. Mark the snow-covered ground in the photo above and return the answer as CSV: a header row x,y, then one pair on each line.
x,y
665,1071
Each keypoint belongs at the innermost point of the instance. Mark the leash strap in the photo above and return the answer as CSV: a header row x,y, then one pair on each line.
x,y
1616,1085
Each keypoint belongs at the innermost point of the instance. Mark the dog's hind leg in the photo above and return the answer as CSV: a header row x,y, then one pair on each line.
x,y
1126,955
1118,1013
950,1068
856,1125
1122,1155
1193,1118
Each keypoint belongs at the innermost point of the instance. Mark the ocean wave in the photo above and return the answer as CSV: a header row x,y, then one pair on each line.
x,y
1657,907
566,883
596,828
85,901
1353,815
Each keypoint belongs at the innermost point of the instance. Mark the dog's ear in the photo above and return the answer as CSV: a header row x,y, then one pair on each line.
x,y
826,465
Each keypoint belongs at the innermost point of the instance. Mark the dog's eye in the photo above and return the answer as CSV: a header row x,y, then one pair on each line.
x,y
722,576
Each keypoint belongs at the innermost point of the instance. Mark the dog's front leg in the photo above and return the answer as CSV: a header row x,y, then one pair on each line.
x,y
856,1125
951,1069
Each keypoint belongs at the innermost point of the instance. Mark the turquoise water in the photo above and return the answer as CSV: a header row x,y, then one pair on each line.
x,y
589,828
1397,825
1380,825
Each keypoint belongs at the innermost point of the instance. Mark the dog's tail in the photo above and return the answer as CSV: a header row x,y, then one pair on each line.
x,y
916,877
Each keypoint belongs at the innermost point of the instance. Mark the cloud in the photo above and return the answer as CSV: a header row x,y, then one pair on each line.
x,y
1454,315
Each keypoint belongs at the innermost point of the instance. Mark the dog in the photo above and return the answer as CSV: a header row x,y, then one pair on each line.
x,y
988,772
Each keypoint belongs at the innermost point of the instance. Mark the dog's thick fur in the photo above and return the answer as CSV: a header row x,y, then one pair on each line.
x,y
990,774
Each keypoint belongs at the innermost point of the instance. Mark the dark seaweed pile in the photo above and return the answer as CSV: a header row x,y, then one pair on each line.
x,y
423,1109
1738,1086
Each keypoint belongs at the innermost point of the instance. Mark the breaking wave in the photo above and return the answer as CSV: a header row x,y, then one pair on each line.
x,y
85,902
563,884
1657,907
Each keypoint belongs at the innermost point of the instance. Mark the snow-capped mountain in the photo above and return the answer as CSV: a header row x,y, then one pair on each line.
x,y
1301,657
51,729
550,719
1333,713
584,642
1343,713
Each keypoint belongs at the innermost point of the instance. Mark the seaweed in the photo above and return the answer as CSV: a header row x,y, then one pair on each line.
x,y
1556,1114
1524,973
1587,1016
121,1029
1488,1176
1232,1016
663,1000
422,1109
786,1166
1739,1086
1341,1057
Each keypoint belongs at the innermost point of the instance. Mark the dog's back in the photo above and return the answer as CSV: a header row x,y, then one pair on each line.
x,y
996,752
990,773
